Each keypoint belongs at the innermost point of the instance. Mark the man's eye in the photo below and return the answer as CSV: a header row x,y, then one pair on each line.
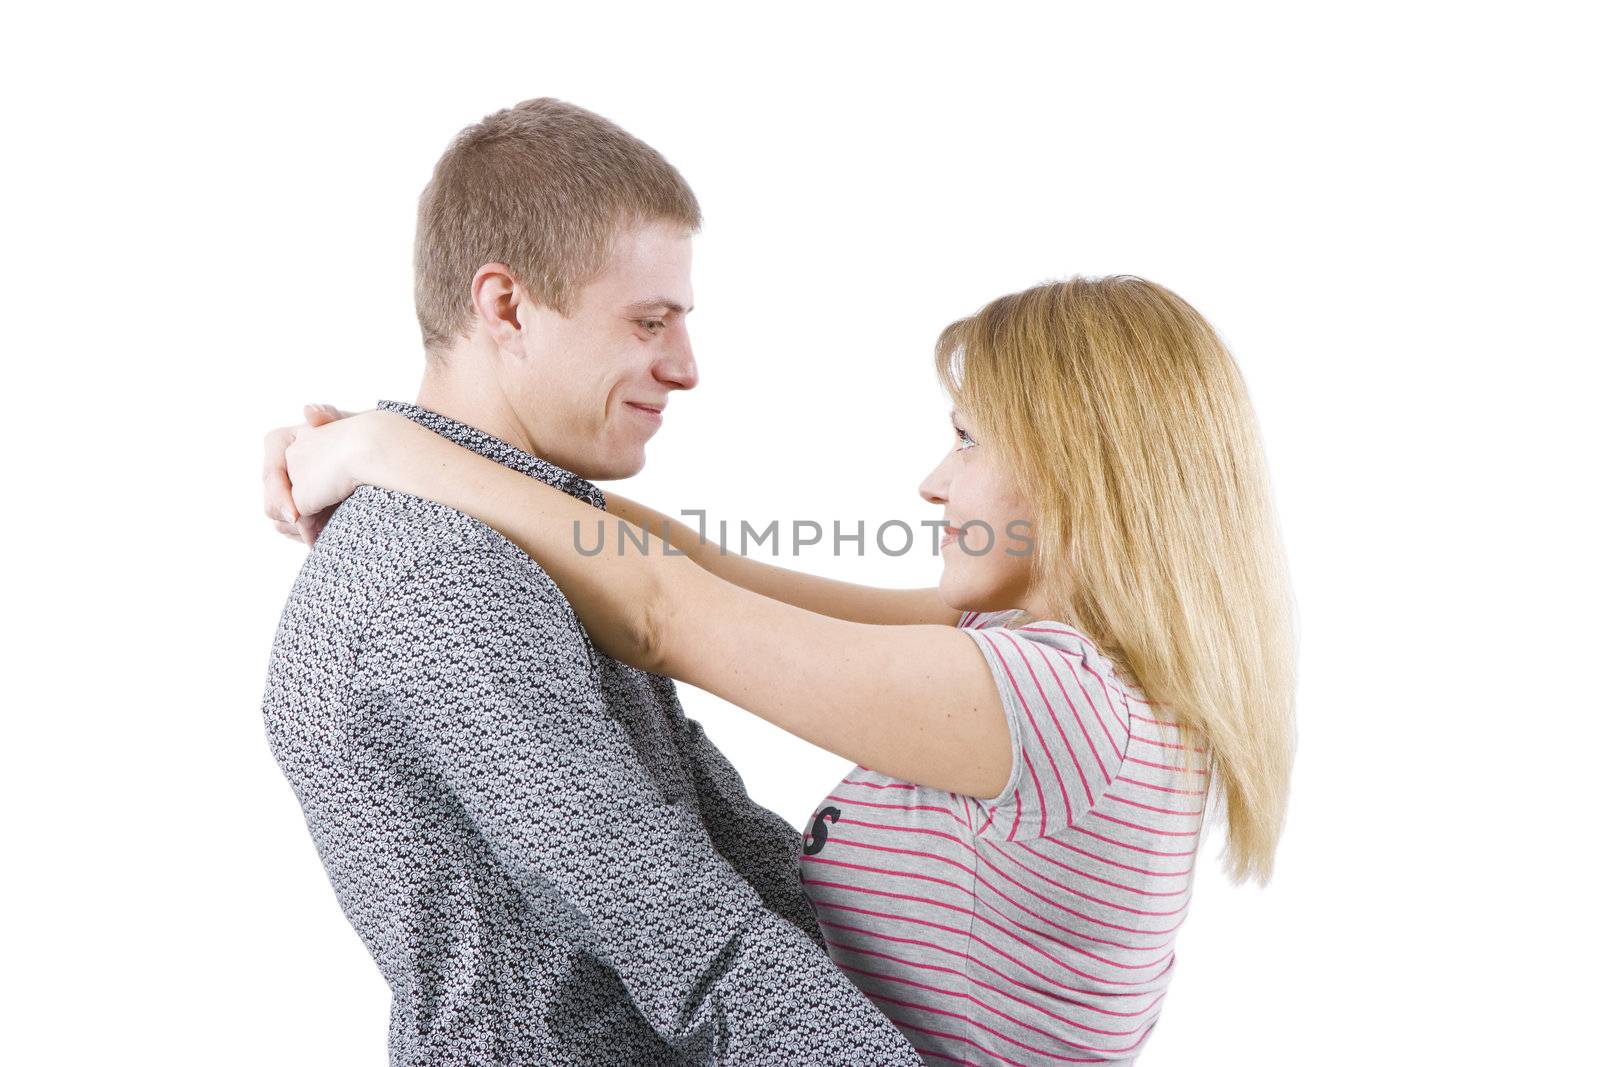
x,y
654,324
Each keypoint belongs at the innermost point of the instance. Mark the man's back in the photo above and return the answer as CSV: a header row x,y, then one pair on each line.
x,y
547,860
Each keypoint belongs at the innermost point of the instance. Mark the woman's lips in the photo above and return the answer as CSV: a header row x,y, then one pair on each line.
x,y
950,534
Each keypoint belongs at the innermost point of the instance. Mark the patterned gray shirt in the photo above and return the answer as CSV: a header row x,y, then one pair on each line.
x,y
548,861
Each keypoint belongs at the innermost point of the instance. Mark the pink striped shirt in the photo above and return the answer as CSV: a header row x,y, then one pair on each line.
x,y
1036,927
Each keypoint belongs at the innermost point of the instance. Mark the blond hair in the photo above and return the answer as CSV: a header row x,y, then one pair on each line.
x,y
1128,428
543,187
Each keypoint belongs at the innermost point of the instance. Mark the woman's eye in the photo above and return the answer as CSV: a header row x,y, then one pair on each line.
x,y
963,439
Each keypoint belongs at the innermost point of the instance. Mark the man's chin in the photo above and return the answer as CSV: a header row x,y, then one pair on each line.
x,y
616,468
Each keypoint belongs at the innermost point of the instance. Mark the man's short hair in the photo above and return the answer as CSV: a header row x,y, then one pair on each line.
x,y
543,187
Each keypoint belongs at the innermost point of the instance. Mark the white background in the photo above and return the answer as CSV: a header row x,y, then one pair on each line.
x,y
1388,211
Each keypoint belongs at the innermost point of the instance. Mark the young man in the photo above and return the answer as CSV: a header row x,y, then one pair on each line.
x,y
547,860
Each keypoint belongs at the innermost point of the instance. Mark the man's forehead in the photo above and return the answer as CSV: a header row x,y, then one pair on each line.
x,y
648,272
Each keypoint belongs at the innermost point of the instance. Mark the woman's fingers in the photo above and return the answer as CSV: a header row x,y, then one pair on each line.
x,y
277,490
309,528
322,414
277,496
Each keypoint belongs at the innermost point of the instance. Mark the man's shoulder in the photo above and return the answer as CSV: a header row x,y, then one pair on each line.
x,y
383,553
404,531
382,522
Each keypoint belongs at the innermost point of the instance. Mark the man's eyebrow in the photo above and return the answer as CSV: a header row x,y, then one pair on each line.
x,y
639,307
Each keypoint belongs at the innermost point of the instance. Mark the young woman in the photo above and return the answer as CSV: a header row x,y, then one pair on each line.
x,y
1006,868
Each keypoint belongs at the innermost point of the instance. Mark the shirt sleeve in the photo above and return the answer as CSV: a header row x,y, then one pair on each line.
x,y
1068,720
754,840
485,663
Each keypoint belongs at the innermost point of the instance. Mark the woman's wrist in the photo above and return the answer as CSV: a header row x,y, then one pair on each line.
x,y
375,447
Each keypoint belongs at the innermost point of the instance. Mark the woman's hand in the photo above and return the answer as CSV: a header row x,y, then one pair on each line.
x,y
307,470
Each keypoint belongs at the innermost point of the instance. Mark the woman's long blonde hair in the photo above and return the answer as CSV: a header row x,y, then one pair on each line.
x,y
1129,430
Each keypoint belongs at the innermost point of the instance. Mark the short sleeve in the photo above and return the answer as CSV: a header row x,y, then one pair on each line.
x,y
1067,714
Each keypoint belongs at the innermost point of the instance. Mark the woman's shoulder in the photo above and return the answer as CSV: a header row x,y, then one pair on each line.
x,y
1015,624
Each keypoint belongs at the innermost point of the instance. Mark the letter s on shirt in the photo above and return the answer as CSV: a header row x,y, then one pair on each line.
x,y
819,829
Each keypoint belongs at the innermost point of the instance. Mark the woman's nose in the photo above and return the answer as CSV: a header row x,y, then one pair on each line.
x,y
936,484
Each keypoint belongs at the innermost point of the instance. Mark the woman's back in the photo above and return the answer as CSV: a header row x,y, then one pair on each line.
x,y
1037,927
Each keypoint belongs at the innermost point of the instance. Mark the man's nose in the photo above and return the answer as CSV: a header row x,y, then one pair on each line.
x,y
677,367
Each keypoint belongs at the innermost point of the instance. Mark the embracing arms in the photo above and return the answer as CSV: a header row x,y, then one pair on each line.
x,y
826,596
916,702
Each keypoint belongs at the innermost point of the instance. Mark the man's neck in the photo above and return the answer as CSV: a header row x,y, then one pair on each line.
x,y
503,452
476,402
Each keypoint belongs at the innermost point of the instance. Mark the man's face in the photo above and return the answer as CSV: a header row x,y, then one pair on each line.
x,y
591,388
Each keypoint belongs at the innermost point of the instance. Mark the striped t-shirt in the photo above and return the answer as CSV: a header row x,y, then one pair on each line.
x,y
1036,927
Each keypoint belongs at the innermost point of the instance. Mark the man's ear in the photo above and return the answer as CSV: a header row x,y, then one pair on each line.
x,y
495,296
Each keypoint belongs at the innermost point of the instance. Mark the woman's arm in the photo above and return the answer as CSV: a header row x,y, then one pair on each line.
x,y
826,596
842,600
916,702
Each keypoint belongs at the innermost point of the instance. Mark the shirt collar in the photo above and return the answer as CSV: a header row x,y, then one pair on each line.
x,y
507,455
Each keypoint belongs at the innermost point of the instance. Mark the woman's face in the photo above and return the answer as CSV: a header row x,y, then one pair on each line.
x,y
987,542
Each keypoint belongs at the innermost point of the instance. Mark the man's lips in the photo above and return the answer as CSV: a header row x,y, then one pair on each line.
x,y
649,411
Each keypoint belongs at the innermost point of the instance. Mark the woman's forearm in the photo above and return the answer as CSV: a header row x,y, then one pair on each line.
x,y
825,596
